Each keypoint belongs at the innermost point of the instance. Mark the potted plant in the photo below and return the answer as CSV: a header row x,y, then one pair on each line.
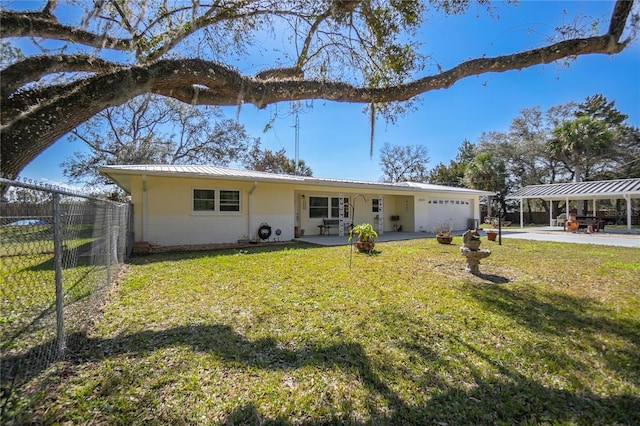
x,y
366,235
443,232
492,234
395,219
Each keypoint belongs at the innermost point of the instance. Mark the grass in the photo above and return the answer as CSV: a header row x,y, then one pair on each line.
x,y
548,334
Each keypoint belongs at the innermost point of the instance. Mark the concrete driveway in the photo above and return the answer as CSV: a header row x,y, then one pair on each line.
x,y
620,238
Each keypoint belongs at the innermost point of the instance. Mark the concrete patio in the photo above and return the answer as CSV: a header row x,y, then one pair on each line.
x,y
611,237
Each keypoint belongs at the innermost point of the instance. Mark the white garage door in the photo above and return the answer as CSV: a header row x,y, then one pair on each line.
x,y
457,211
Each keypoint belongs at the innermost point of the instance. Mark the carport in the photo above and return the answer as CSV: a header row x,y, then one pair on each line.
x,y
626,189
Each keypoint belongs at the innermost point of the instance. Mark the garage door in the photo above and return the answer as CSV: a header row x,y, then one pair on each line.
x,y
457,211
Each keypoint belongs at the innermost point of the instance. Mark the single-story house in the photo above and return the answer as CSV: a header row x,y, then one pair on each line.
x,y
181,205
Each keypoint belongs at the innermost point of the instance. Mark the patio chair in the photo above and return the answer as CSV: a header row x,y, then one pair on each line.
x,y
561,219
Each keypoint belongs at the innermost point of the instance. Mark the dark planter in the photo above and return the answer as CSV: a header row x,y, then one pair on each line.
x,y
365,246
491,235
444,239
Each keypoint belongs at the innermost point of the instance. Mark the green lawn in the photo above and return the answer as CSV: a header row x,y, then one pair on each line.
x,y
549,334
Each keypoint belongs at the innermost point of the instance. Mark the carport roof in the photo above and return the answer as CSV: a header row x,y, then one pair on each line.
x,y
618,188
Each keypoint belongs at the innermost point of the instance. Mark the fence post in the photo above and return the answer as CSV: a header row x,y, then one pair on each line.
x,y
108,238
57,261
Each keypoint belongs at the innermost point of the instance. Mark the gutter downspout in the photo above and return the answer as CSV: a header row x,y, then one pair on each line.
x,y
144,208
250,213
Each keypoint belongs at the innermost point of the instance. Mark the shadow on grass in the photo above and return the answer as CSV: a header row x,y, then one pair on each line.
x,y
504,397
580,319
496,279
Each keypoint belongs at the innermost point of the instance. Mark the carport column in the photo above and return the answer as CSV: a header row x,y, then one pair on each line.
x,y
341,215
550,212
628,200
521,214
380,215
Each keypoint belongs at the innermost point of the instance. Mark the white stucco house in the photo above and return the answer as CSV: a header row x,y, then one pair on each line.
x,y
181,205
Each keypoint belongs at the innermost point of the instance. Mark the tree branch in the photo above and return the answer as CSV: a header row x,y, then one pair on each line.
x,y
619,17
33,119
33,68
40,24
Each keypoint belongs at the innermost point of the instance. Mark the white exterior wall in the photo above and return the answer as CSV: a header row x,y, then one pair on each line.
x,y
273,204
168,217
188,230
163,214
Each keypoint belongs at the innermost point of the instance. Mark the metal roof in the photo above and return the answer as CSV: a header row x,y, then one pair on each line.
x,y
617,188
195,170
118,173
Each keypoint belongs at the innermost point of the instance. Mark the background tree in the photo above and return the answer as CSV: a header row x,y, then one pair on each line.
x,y
579,144
154,130
453,174
526,148
275,162
487,173
404,163
351,51
621,159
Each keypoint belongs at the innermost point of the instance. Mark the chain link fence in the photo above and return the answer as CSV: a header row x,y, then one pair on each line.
x,y
59,253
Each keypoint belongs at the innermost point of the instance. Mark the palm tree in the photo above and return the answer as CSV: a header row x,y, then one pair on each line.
x,y
487,174
578,142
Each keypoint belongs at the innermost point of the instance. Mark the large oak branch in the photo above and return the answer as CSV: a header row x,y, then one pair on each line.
x,y
38,122
46,26
33,68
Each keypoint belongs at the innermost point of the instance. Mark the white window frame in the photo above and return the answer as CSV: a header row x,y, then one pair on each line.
x,y
193,201
220,204
216,202
330,207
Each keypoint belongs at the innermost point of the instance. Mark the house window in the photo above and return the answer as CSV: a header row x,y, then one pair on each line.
x,y
327,207
375,205
212,200
204,200
318,207
229,201
335,207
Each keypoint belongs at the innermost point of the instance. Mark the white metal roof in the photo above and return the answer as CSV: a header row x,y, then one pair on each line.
x,y
194,170
617,188
118,173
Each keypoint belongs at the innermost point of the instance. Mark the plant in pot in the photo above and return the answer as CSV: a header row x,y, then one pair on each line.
x,y
443,232
366,235
395,219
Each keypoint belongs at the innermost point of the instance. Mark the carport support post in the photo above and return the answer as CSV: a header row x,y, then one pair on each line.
x,y
550,212
628,200
521,214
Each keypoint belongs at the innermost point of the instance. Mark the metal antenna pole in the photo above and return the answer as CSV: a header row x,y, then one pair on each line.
x,y
297,140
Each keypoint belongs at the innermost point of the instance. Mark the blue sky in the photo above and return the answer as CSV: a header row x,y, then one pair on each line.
x,y
334,137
